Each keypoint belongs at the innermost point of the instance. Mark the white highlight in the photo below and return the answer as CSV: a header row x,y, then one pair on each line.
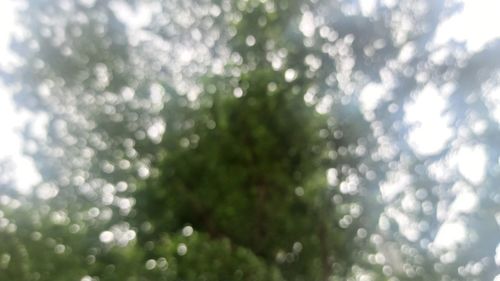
x,y
472,163
432,130
306,25
106,236
371,95
476,25
450,235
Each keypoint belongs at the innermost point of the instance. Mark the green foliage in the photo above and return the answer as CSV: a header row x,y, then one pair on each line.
x,y
239,168
187,255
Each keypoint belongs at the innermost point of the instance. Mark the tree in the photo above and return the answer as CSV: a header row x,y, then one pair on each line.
x,y
229,141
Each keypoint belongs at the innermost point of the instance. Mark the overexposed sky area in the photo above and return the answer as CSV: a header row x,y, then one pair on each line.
x,y
11,120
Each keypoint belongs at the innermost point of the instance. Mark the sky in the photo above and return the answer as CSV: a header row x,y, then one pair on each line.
x,y
11,120
430,136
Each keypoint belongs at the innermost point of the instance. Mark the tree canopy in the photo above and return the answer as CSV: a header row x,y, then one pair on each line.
x,y
250,140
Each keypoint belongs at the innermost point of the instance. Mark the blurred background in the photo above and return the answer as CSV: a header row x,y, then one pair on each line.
x,y
249,140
